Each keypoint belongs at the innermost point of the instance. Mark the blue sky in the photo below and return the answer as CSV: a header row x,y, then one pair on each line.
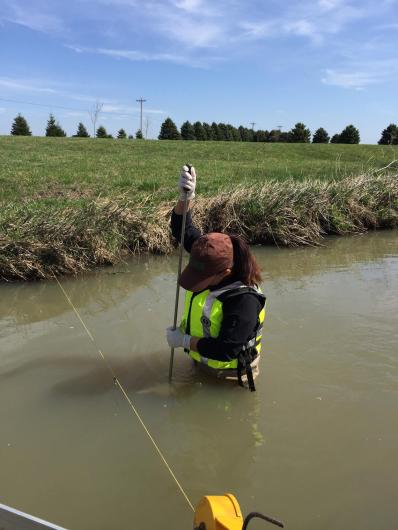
x,y
324,62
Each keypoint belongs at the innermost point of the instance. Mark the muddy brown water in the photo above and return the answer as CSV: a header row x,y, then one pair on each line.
x,y
316,445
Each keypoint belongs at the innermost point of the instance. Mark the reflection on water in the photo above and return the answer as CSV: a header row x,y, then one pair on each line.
x,y
31,302
316,445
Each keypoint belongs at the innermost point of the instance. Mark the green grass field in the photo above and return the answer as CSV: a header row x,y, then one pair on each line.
x,y
72,168
69,205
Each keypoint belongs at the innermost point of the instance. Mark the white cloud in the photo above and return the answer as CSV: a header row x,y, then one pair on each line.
x,y
36,18
328,5
324,18
76,49
357,80
361,75
136,55
198,33
304,28
25,86
35,86
189,5
315,21
209,34
203,28
194,24
116,3
109,106
257,30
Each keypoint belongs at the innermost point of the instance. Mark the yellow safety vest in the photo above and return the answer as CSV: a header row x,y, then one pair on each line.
x,y
203,312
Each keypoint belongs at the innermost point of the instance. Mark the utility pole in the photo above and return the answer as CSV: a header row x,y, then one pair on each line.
x,y
141,101
252,123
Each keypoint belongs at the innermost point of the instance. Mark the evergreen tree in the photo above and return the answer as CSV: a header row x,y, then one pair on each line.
x,y
131,137
224,132
139,135
349,135
274,135
389,136
230,132
216,132
284,136
101,132
187,131
53,127
320,136
200,133
300,133
260,136
20,127
250,133
335,139
221,132
169,131
242,133
81,131
245,134
209,131
121,134
234,133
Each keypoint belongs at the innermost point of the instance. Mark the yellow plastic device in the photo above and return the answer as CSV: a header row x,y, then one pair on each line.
x,y
221,512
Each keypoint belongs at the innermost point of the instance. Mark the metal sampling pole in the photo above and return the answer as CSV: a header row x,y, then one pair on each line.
x,y
184,219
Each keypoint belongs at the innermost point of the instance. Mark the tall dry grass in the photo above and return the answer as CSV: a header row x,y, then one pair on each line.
x,y
36,243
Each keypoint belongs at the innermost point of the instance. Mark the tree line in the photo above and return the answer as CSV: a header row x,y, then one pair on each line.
x,y
20,127
218,132
298,134
228,133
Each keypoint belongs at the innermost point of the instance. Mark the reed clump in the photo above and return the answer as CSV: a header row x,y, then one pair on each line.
x,y
36,243
292,213
38,240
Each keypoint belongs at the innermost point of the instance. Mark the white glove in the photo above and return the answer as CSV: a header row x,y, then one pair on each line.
x,y
177,339
187,183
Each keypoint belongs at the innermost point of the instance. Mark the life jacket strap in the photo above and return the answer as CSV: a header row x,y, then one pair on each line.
x,y
244,364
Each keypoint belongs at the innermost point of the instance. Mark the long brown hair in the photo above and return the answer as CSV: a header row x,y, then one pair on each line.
x,y
246,268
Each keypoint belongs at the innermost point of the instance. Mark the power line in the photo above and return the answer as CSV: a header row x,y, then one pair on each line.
x,y
41,105
62,107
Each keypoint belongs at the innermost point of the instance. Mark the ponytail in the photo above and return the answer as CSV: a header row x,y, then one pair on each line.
x,y
245,268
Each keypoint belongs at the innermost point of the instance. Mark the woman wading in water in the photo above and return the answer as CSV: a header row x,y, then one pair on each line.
x,y
224,307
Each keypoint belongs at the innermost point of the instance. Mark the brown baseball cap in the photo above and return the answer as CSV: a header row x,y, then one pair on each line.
x,y
210,255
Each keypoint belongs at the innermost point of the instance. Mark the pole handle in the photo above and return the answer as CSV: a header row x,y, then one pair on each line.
x,y
189,166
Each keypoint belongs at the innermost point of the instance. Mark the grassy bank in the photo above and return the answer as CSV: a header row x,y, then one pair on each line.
x,y
69,205
37,241
70,169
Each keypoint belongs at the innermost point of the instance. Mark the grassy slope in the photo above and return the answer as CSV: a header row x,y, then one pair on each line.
x,y
68,205
47,167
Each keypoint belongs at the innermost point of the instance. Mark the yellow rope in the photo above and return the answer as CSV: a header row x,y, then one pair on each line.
x,y
118,383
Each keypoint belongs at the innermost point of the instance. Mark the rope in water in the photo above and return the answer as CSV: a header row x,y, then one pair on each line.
x,y
123,391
